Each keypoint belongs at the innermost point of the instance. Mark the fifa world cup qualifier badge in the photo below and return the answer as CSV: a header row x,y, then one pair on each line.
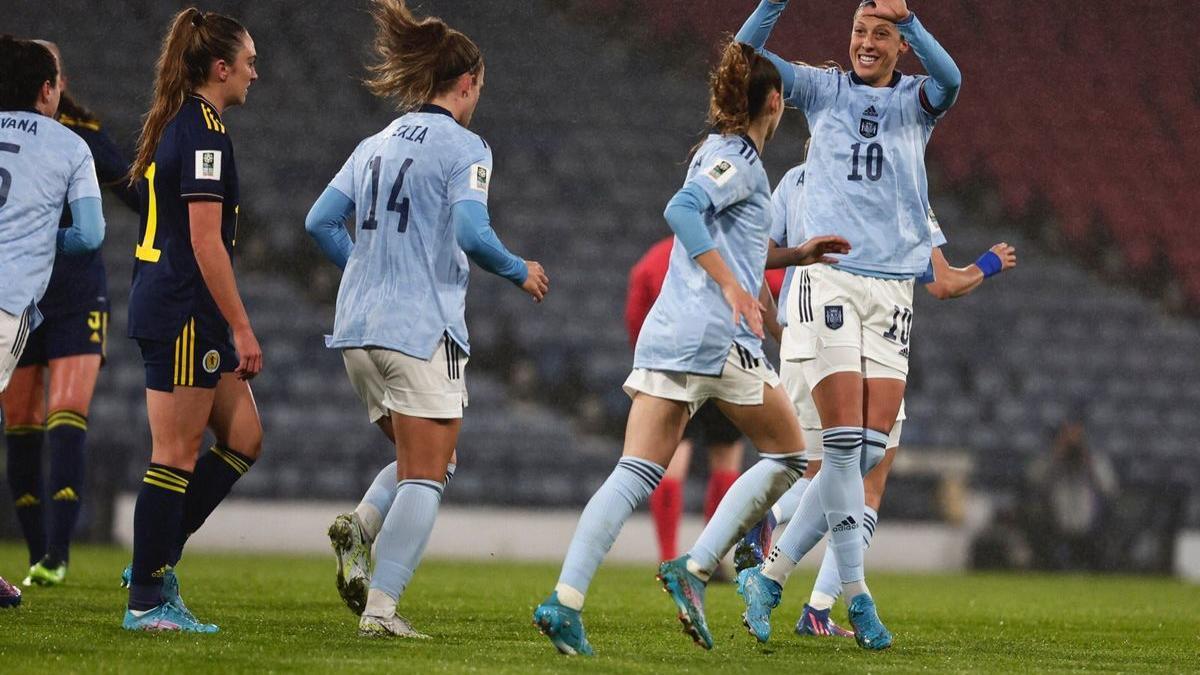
x,y
480,178
208,164
721,171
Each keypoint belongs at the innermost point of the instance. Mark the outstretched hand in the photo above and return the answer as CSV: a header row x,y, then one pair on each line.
x,y
888,10
537,283
819,250
1007,254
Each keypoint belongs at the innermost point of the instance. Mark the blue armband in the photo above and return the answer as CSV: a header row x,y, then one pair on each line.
x,y
685,214
990,263
941,90
473,230
87,230
326,223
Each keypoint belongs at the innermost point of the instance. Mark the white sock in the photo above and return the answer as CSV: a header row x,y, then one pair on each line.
x,y
370,518
819,600
569,597
379,604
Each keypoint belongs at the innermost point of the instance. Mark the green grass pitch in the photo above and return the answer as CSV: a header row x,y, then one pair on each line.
x,y
281,613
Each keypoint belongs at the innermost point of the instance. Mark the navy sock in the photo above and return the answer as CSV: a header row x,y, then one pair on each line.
x,y
25,481
216,472
66,433
156,520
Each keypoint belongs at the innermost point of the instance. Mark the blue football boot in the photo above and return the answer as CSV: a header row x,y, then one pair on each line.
x,y
761,595
170,591
816,623
166,617
869,631
687,592
751,550
563,625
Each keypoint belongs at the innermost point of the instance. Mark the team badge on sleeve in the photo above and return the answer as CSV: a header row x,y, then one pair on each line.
x,y
208,165
833,316
721,172
480,178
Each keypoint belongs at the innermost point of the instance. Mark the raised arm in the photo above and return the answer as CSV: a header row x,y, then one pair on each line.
x,y
758,26
939,92
685,214
326,223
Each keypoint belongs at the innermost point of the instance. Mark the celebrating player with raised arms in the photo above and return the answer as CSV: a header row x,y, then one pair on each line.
x,y
866,181
702,340
42,167
943,282
70,344
419,189
184,308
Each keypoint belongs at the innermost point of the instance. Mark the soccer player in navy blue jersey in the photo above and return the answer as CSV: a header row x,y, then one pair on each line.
x,y
419,191
865,180
184,308
70,345
43,166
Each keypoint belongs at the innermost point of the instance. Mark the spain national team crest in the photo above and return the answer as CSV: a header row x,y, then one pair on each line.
x,y
833,316
868,128
212,361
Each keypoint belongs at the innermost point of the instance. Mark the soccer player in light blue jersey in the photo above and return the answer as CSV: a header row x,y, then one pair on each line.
x,y
43,165
702,340
943,282
865,180
419,189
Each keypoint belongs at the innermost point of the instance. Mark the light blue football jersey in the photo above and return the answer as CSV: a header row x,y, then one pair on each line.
x,y
866,168
43,167
405,285
690,327
787,229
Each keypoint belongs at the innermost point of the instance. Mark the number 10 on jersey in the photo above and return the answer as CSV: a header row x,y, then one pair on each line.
x,y
395,204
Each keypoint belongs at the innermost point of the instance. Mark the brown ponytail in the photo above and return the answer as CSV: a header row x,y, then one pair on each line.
x,y
740,86
194,41
417,59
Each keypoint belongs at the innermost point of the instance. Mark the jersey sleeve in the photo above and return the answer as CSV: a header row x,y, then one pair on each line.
x,y
204,159
779,214
82,182
812,89
724,177
471,173
343,181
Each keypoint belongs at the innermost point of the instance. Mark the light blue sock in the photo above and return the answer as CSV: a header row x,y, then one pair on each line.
x,y
744,504
842,496
379,497
785,508
805,530
829,584
404,535
630,484
874,448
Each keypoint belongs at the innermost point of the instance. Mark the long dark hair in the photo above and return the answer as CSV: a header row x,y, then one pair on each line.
x,y
417,59
195,40
24,67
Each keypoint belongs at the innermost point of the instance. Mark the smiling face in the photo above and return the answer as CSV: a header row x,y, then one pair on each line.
x,y
875,47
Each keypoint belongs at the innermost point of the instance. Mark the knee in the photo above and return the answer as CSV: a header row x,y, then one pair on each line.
x,y
247,440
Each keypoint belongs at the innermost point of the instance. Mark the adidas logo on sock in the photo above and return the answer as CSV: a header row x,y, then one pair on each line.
x,y
66,494
846,525
774,555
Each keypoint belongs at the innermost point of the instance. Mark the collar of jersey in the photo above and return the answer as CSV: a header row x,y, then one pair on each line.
x,y
896,75
746,137
435,110
209,104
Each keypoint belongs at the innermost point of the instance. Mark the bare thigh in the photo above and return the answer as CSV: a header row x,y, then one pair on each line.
x,y
234,418
24,402
73,382
423,446
882,397
654,428
177,422
772,426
